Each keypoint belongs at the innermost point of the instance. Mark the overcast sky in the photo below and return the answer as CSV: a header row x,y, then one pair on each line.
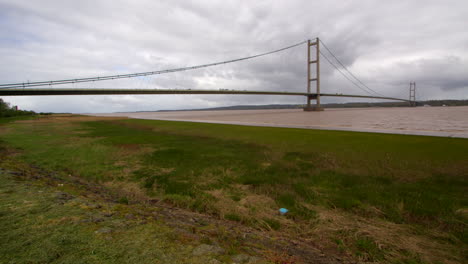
x,y
386,44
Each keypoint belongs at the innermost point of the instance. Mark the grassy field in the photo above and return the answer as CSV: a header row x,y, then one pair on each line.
x,y
373,197
38,225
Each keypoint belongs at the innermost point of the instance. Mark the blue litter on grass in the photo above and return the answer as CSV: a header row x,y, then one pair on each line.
x,y
283,211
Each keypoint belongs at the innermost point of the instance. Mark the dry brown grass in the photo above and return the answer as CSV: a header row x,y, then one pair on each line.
x,y
131,190
395,239
252,209
4,130
281,258
60,118
128,156
463,212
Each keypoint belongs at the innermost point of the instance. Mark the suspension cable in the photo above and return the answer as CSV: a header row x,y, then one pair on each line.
x,y
346,69
132,75
339,70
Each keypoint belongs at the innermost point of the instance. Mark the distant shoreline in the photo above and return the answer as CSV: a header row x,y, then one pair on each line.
x,y
332,105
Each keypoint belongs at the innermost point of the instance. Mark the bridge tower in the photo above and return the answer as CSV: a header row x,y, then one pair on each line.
x,y
315,96
412,93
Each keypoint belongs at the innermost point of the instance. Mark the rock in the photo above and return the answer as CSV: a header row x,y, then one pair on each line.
x,y
205,249
104,230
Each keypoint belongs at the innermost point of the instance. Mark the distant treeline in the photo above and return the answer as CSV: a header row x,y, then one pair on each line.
x,y
444,102
9,111
345,105
400,104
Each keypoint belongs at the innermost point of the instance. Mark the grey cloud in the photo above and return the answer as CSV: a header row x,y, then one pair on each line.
x,y
447,73
386,44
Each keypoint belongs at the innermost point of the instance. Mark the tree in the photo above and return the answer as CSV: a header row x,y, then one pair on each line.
x,y
7,111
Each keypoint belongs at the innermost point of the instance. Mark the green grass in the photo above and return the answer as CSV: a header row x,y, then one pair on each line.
x,y
65,152
368,249
5,120
271,223
346,169
414,180
36,228
233,217
181,161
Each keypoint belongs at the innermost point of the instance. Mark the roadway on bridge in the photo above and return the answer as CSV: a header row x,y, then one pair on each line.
x,y
113,91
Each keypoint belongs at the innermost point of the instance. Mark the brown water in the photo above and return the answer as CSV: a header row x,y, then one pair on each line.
x,y
434,121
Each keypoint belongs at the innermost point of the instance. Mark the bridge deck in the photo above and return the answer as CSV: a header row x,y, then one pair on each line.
x,y
110,91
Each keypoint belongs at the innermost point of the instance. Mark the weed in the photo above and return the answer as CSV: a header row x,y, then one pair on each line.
x,y
340,244
270,223
368,250
233,217
123,200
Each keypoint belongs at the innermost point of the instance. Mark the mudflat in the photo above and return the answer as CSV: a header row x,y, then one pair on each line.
x,y
432,121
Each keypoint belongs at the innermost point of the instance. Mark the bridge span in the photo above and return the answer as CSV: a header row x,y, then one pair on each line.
x,y
24,89
111,91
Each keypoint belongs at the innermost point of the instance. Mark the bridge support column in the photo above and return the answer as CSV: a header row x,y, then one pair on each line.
x,y
315,96
412,94
309,107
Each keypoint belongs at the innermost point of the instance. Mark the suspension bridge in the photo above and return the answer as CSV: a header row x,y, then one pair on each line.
x,y
43,88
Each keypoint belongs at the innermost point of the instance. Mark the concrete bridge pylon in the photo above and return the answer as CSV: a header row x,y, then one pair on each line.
x,y
315,96
412,94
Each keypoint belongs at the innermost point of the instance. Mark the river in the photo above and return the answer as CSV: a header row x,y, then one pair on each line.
x,y
430,121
